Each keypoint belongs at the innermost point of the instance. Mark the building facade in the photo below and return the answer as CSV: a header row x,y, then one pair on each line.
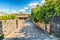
x,y
22,16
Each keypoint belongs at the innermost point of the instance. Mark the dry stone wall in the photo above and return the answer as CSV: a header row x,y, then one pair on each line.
x,y
8,26
21,23
42,26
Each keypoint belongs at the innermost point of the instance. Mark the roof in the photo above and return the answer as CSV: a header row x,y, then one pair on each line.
x,y
21,15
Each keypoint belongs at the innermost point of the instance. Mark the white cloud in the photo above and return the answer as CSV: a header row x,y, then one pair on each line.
x,y
4,10
14,11
22,10
42,2
25,8
29,6
33,5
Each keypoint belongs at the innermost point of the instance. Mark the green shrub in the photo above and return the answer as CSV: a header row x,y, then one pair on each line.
x,y
46,12
8,17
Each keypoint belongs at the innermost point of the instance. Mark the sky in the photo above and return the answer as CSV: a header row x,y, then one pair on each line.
x,y
15,6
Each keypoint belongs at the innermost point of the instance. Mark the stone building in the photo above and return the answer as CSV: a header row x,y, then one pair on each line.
x,y
22,16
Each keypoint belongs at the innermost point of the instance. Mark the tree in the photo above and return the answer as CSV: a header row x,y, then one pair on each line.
x,y
46,12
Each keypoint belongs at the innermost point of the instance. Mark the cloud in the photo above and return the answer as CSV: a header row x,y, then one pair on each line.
x,y
4,10
22,10
42,2
33,5
25,8
14,11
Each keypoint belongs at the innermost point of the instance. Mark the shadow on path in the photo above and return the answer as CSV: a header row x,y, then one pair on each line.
x,y
32,32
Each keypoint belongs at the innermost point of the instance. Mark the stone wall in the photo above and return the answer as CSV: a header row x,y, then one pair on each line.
x,y
42,26
8,26
48,28
21,23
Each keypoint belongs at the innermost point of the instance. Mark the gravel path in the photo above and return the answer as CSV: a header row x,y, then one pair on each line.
x,y
32,33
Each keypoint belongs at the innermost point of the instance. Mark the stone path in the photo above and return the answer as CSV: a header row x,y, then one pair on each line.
x,y
31,32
